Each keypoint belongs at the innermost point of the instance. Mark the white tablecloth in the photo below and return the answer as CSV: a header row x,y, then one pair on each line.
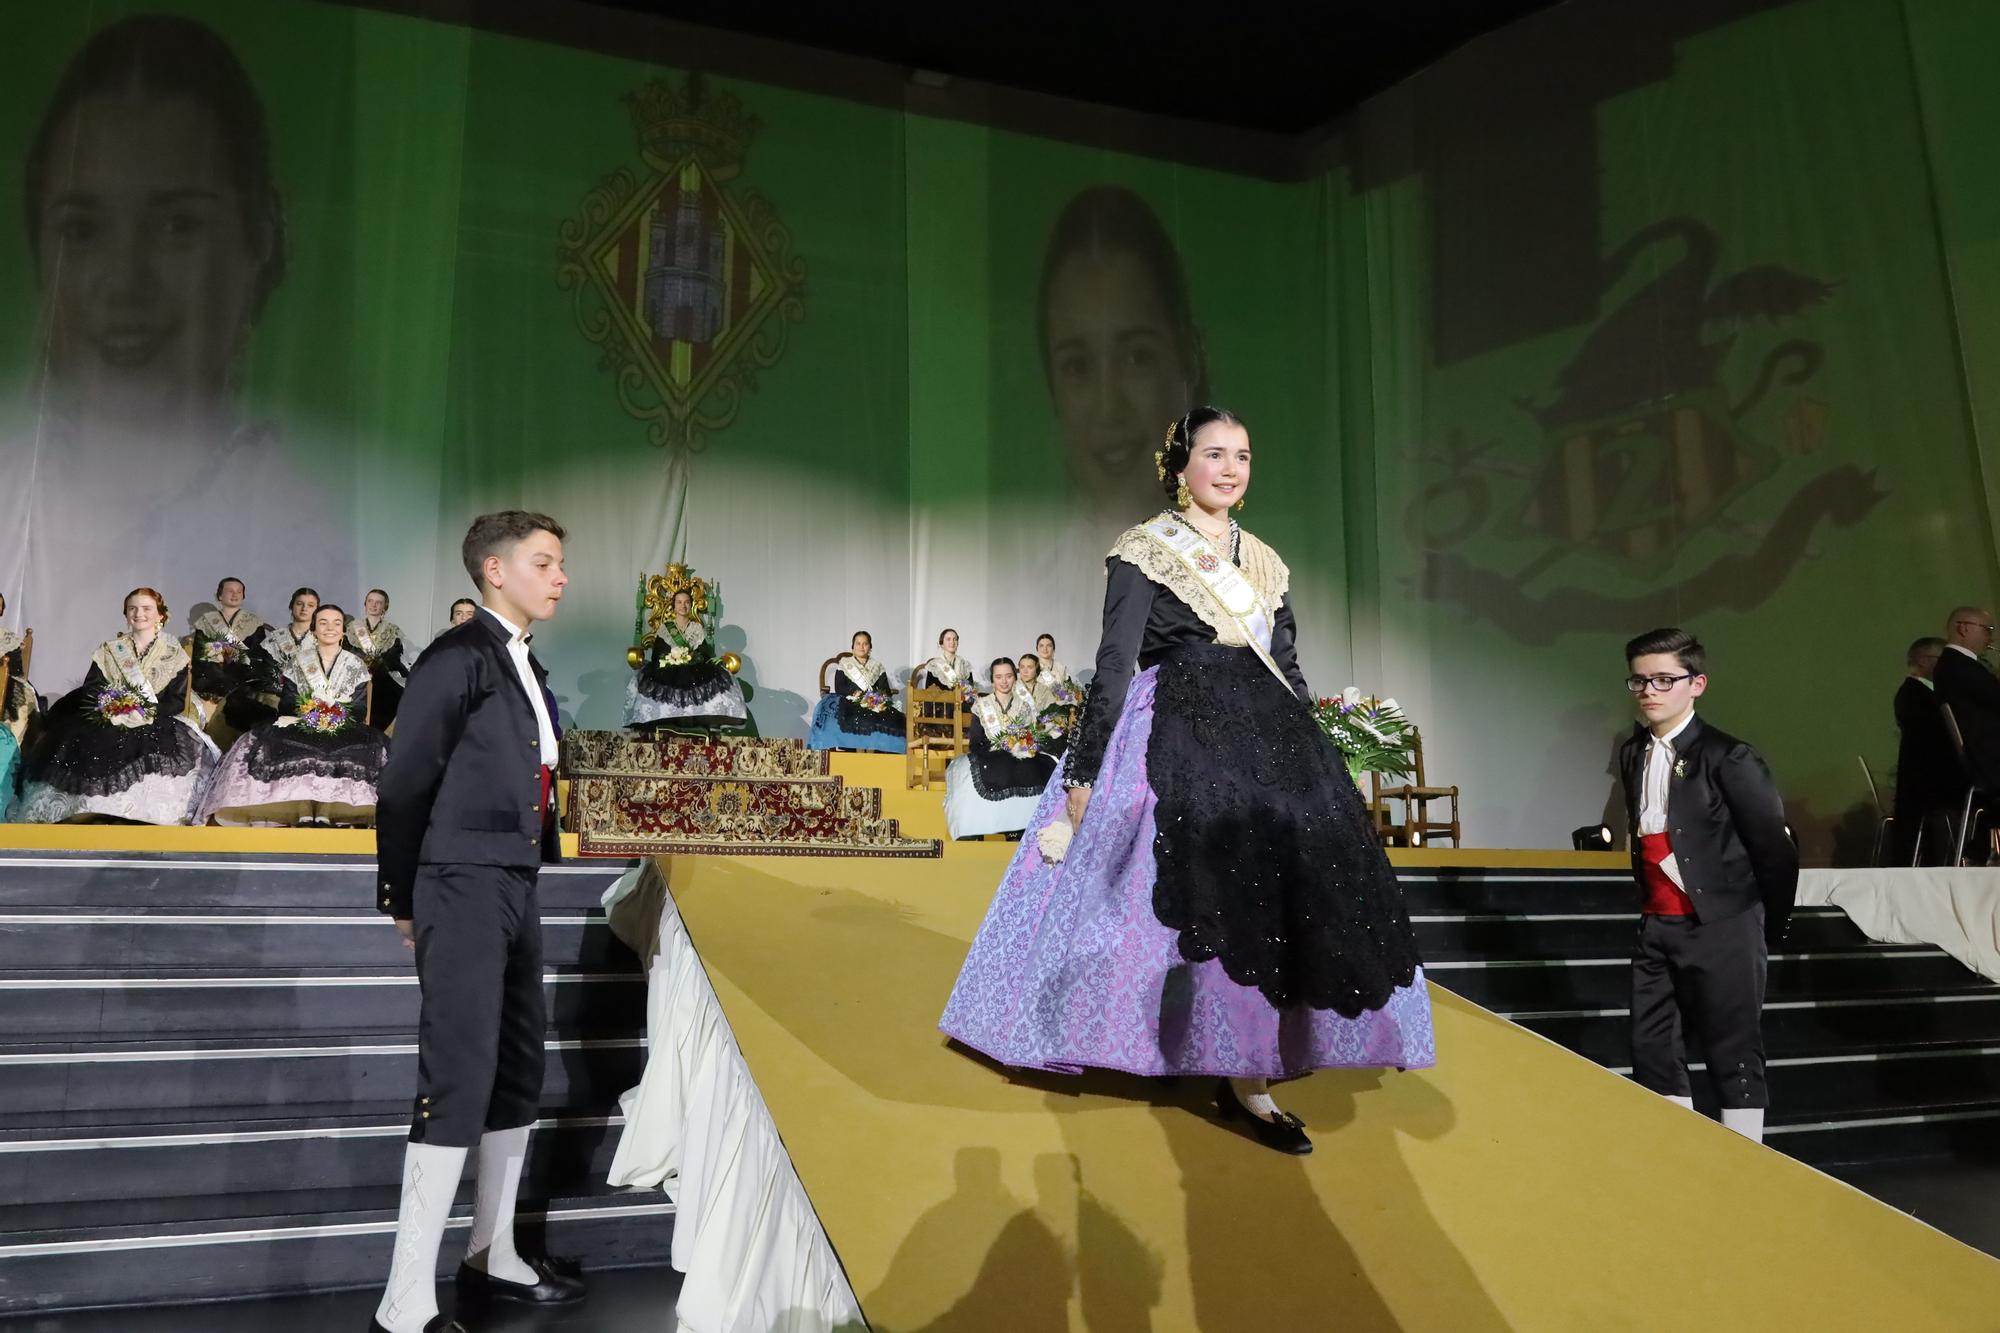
x,y
755,1256
1957,910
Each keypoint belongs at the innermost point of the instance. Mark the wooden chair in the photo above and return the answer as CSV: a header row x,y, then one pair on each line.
x,y
934,730
1971,811
825,685
28,653
1417,827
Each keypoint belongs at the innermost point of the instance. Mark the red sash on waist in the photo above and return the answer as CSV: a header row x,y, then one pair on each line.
x,y
1663,896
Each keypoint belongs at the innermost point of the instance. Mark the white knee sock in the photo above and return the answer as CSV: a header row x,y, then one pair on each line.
x,y
430,1178
1688,1102
1745,1120
1255,1094
502,1154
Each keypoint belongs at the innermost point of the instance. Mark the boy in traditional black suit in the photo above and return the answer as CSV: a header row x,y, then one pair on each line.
x,y
1718,871
464,818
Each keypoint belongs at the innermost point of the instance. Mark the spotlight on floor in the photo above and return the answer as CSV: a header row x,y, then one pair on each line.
x,y
1592,838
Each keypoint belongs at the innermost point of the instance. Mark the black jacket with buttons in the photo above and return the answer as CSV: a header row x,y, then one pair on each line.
x,y
1727,824
463,784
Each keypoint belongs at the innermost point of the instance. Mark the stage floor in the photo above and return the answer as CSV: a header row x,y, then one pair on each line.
x,y
1516,1186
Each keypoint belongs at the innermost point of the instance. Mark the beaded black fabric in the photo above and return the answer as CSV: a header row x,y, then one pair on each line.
x,y
1263,849
78,752
999,776
860,721
690,685
355,753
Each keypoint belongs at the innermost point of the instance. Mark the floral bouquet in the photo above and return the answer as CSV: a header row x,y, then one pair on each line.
x,y
1053,722
678,655
323,717
1064,694
1020,742
1372,735
875,701
220,652
123,706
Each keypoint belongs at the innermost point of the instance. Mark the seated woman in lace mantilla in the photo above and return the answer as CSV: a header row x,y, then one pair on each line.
x,y
17,705
860,712
993,787
681,680
947,670
318,762
120,746
379,641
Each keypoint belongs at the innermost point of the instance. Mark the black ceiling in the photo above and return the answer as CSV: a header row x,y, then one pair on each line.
x,y
1250,66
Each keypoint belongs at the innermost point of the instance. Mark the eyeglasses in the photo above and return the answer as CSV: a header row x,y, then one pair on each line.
x,y
1977,625
1661,684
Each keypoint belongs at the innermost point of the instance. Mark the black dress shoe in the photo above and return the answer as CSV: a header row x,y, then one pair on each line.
x,y
1286,1134
439,1324
559,1282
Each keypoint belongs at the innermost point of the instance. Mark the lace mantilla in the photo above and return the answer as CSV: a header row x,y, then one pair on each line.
x,y
1259,563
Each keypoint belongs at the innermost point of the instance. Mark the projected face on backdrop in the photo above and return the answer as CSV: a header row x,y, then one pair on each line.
x,y
154,225
1119,343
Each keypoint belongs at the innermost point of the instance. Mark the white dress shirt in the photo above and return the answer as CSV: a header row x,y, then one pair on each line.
x,y
1653,785
1961,648
517,648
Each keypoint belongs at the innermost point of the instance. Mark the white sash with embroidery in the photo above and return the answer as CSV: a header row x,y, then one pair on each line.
x,y
133,670
950,673
1225,582
996,719
862,677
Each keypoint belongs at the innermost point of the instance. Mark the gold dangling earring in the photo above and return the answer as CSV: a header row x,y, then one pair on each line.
x,y
1238,506
1183,497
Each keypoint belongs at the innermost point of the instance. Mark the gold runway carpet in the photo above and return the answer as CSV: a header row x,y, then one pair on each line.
x,y
1516,1186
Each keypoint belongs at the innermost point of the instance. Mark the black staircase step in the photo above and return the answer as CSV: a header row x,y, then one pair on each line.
x,y
1578,983
1560,934
202,1257
186,881
1431,892
301,1004
161,1161
73,1084
142,939
1960,1129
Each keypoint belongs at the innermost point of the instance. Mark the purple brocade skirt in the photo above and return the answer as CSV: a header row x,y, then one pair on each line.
x,y
1071,969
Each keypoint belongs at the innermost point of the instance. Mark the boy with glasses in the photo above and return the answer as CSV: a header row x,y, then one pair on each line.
x,y
1718,872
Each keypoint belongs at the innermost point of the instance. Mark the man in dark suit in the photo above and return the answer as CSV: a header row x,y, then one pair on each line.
x,y
1718,873
464,818
1967,687
1928,776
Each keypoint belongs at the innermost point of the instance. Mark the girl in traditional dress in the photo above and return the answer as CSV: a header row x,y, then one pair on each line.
x,y
463,610
318,762
681,679
947,670
861,712
1028,680
1052,671
223,661
993,787
380,644
119,746
17,705
1203,893
1053,703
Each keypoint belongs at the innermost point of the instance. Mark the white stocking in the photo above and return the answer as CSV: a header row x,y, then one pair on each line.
x,y
1687,1102
1255,1094
1745,1120
502,1154
430,1179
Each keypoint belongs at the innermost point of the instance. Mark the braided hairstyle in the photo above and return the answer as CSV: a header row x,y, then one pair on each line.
x,y
1172,459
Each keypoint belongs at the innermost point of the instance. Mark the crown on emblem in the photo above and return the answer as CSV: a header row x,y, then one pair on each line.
x,y
675,123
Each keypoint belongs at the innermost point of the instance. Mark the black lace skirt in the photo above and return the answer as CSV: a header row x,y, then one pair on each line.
x,y
687,686
861,721
1265,855
387,698
78,752
999,776
354,753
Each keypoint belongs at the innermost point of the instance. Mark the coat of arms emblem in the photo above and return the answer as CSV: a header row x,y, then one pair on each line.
x,y
686,284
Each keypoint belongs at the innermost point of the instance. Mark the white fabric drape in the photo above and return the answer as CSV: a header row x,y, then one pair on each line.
x,y
755,1256
1956,910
